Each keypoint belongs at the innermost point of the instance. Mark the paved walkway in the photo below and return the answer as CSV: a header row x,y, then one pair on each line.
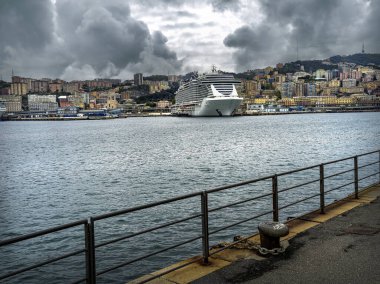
x,y
345,249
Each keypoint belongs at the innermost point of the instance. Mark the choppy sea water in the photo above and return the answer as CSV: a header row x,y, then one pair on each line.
x,y
53,173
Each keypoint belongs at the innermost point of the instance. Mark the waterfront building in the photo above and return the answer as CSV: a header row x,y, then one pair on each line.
x,y
249,89
321,73
334,83
299,89
156,86
27,81
173,78
19,89
310,89
42,102
55,87
138,79
351,90
328,91
287,90
279,79
163,104
40,86
287,102
71,87
13,103
347,83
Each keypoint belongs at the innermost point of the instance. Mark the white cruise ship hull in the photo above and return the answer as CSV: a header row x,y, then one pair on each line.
x,y
219,106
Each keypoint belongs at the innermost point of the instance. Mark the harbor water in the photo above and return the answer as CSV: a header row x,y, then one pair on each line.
x,y
52,173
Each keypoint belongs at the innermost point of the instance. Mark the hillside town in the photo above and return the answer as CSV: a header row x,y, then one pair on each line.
x,y
342,86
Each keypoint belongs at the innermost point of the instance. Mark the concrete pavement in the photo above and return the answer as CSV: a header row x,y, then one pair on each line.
x,y
345,249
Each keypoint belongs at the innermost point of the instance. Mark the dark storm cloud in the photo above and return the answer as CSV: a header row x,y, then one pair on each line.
x,y
321,28
26,27
78,38
19,28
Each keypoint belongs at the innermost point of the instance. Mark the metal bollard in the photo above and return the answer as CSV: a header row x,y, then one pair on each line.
x,y
270,234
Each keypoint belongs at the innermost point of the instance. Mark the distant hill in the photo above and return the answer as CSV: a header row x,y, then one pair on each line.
x,y
308,65
331,63
359,58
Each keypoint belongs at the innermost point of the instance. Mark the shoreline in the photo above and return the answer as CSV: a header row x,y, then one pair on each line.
x,y
169,115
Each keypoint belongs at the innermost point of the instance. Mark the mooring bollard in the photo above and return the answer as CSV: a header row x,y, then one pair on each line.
x,y
270,234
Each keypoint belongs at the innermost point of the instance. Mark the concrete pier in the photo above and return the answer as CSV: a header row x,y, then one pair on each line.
x,y
340,246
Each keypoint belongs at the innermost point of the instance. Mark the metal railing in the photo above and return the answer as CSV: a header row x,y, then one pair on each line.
x,y
91,246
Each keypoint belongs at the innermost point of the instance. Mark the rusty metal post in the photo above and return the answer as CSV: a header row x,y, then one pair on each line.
x,y
275,198
356,177
322,188
205,233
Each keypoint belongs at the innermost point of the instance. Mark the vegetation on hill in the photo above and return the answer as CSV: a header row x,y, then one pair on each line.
x,y
359,58
156,78
308,66
162,95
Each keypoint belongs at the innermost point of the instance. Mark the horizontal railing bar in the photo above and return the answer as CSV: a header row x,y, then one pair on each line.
x,y
238,184
42,232
148,255
297,170
146,206
298,185
339,187
41,264
299,201
148,230
369,153
368,176
170,270
367,165
232,244
240,222
239,202
340,160
340,173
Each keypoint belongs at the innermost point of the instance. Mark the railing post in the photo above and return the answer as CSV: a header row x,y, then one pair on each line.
x,y
205,234
87,248
322,188
90,252
356,177
275,198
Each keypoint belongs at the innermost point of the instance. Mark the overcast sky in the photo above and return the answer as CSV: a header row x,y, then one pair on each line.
x,y
87,39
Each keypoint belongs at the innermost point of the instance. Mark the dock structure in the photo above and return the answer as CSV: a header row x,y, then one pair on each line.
x,y
340,246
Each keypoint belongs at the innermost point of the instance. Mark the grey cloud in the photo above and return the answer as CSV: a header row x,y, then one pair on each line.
x,y
19,28
321,28
223,5
78,38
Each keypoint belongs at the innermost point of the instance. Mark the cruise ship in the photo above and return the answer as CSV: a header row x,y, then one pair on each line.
x,y
209,94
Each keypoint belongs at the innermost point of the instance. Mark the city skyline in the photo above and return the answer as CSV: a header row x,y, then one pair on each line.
x,y
91,39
